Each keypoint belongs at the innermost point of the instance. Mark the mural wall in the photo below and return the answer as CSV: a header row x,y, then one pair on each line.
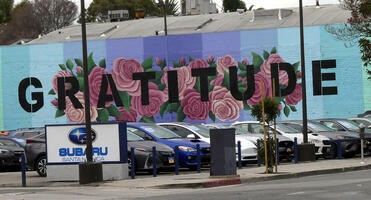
x,y
122,57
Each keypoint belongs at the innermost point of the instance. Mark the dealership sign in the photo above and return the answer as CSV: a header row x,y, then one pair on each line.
x,y
66,144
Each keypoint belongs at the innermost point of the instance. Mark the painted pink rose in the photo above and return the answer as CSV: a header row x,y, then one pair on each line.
x,y
295,96
182,61
198,63
158,61
54,102
223,105
267,88
122,74
78,115
79,70
156,99
210,59
61,73
245,61
127,116
280,107
185,80
218,80
95,82
224,63
266,68
193,107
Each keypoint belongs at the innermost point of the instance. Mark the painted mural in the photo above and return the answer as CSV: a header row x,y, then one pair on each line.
x,y
160,54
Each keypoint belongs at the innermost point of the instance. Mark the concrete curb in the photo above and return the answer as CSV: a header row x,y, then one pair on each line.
x,y
233,181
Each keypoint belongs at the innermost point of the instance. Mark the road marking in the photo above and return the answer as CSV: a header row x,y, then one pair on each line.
x,y
296,193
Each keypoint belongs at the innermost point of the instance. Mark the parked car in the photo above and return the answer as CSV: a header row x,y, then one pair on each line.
x,y
10,153
143,153
285,145
187,147
35,150
343,125
248,143
349,148
187,130
365,121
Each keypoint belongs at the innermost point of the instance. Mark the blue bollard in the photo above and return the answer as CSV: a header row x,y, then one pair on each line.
x,y
23,168
198,158
239,154
154,160
338,143
132,164
332,151
176,160
296,150
278,152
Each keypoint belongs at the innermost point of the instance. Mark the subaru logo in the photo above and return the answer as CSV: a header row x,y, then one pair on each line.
x,y
78,136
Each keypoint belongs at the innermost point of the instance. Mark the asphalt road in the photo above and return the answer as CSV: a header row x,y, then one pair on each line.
x,y
342,186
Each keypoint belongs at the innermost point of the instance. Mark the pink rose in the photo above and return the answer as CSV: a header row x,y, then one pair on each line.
x,y
224,63
126,116
61,73
122,74
210,59
295,96
79,70
245,61
185,80
158,61
223,105
54,102
193,107
78,115
198,63
218,81
267,88
95,82
299,75
182,61
266,68
156,99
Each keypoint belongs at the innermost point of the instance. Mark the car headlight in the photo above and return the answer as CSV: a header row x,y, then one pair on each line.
x,y
187,149
4,151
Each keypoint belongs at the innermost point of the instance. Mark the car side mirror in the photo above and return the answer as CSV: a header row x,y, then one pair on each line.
x,y
369,127
191,136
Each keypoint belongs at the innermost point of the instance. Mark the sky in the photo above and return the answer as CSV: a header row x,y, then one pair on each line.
x,y
267,4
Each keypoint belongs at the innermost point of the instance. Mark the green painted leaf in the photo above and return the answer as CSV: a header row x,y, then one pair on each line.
x,y
197,85
80,79
62,66
211,87
103,115
274,50
79,62
150,70
296,66
161,86
180,116
176,64
163,109
241,66
257,60
59,113
51,92
102,63
243,74
242,84
172,107
191,58
147,63
213,65
226,80
246,106
293,108
279,99
159,75
265,55
147,119
286,110
69,64
113,111
125,98
212,116
91,63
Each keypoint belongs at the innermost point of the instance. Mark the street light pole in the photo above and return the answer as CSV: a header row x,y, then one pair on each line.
x,y
165,17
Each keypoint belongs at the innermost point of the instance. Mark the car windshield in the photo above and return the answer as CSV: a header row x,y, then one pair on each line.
x,y
132,137
318,127
349,125
160,132
202,130
7,143
286,129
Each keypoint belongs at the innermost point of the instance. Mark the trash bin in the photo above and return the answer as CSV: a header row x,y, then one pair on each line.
x,y
223,152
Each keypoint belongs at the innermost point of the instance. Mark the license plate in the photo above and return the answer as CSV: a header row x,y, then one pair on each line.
x,y
288,150
171,160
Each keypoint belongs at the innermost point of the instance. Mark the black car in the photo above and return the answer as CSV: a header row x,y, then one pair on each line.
x,y
143,153
10,153
349,148
35,151
343,125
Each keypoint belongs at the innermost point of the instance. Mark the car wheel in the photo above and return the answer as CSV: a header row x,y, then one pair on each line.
x,y
41,166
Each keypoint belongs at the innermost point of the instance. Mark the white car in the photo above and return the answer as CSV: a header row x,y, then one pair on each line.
x,y
202,132
289,132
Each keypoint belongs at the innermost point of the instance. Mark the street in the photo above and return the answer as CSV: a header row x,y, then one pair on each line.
x,y
349,185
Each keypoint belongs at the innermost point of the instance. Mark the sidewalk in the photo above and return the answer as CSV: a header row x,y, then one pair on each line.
x,y
203,179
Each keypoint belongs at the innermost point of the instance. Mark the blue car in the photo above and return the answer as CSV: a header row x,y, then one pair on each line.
x,y
187,147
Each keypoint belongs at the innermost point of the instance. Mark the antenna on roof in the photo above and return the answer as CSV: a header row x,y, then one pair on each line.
x,y
279,14
253,16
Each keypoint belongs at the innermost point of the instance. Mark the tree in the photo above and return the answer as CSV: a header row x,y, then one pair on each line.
x,y
357,29
5,10
233,5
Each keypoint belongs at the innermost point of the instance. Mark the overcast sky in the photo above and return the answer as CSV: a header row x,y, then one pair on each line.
x,y
267,4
